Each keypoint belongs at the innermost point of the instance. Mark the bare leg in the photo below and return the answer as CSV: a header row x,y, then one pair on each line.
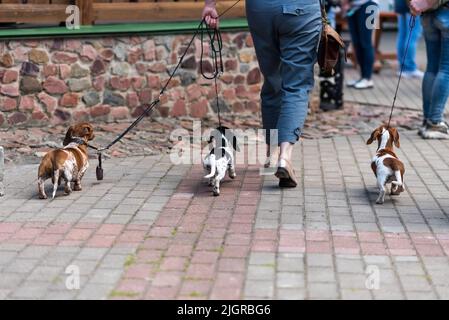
x,y
286,151
272,154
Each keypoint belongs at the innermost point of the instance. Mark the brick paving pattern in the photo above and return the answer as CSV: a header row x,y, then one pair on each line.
x,y
152,230
409,94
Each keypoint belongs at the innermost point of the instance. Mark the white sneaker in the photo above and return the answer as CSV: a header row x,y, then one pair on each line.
x,y
436,131
352,83
364,84
417,74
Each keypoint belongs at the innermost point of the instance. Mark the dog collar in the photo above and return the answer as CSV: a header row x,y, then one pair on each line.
x,y
77,140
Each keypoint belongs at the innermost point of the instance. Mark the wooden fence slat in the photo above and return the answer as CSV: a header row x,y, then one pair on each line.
x,y
32,13
99,11
86,11
159,11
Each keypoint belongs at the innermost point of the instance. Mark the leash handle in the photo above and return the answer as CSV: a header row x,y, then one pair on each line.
x,y
215,38
412,23
99,170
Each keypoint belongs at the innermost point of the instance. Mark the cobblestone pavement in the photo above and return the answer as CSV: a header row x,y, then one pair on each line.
x,y
152,230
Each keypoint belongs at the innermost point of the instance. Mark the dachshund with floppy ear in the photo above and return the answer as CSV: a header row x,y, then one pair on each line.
x,y
220,159
68,163
385,164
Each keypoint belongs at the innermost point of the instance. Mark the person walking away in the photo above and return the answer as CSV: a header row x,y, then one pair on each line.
x,y
435,88
410,68
286,36
358,13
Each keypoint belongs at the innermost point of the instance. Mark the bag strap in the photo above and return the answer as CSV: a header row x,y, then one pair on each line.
x,y
323,13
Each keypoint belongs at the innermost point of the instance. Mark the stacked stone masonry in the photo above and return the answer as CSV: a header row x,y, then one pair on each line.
x,y
53,81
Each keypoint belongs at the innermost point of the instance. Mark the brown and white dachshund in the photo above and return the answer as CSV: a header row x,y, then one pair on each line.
x,y
386,165
68,163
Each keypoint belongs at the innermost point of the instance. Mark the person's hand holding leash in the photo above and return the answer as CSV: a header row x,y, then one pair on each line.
x,y
210,14
419,6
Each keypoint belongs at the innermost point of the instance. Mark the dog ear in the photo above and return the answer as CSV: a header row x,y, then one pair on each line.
x,y
212,140
395,134
374,136
231,138
68,136
235,144
88,132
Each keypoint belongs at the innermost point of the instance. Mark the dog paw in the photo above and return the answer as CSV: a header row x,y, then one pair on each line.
x,y
43,196
232,175
380,201
77,188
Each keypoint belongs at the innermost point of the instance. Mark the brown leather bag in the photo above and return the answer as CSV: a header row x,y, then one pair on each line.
x,y
330,47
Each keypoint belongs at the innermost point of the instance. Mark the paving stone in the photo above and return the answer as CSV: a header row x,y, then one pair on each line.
x,y
319,260
106,276
316,274
355,294
260,272
254,241
290,294
95,292
31,290
322,291
290,280
259,289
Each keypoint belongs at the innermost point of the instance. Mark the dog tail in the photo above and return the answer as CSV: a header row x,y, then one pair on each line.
x,y
213,168
55,181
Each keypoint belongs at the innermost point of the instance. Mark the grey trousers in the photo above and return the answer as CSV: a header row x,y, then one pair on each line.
x,y
286,37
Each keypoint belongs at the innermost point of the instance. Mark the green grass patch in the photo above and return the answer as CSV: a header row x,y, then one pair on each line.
x,y
195,294
130,260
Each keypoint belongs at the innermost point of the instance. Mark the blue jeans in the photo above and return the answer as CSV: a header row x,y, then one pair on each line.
x,y
361,37
435,86
332,17
285,35
401,43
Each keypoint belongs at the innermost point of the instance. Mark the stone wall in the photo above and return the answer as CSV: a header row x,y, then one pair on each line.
x,y
2,172
107,78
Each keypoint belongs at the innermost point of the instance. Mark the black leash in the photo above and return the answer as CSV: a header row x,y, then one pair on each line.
x,y
216,43
216,46
411,26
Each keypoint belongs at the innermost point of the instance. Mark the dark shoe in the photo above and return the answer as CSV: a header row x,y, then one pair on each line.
x,y
286,175
422,128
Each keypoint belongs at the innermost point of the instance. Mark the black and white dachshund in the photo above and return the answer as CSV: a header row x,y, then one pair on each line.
x,y
220,159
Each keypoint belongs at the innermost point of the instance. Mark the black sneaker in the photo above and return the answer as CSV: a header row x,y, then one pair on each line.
x,y
422,128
